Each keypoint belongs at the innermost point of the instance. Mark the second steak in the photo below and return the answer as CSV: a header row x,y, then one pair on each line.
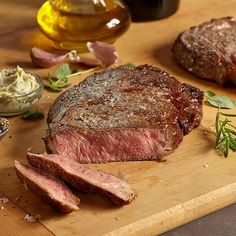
x,y
209,50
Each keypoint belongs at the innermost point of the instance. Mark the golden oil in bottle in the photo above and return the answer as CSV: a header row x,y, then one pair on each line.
x,y
70,24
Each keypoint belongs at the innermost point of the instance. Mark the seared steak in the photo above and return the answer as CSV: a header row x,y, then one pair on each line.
x,y
123,114
83,178
209,50
49,188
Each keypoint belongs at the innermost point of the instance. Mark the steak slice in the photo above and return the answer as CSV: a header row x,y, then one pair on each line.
x,y
123,114
49,188
209,50
83,178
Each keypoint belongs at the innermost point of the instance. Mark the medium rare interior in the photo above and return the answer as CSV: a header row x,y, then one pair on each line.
x,y
49,188
84,178
114,145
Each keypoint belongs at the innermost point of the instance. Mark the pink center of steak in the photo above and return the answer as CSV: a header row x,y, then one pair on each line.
x,y
93,146
46,185
84,178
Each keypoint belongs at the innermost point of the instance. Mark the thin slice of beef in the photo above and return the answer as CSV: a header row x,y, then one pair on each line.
x,y
49,188
123,114
209,50
83,178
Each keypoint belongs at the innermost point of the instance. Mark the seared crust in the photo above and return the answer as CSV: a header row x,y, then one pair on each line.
x,y
208,50
125,97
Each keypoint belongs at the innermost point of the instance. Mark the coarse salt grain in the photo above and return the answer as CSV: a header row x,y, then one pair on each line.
x,y
25,186
4,200
31,218
205,165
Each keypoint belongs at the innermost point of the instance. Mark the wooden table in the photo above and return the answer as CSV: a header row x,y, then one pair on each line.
x,y
194,180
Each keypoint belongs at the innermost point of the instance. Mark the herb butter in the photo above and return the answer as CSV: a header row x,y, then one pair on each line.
x,y
18,91
15,82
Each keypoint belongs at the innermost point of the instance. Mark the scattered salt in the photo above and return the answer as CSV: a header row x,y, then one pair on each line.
x,y
2,208
19,198
29,149
4,200
25,185
205,165
32,218
29,218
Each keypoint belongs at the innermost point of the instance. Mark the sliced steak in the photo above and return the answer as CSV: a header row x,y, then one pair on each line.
x,y
83,178
123,114
209,50
49,188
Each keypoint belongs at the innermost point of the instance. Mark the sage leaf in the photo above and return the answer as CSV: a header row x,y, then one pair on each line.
x,y
63,71
221,102
209,93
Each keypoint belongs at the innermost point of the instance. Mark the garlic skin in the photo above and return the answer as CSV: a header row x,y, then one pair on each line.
x,y
45,59
75,58
104,52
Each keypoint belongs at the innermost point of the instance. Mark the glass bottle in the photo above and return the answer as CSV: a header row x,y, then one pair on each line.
x,y
70,24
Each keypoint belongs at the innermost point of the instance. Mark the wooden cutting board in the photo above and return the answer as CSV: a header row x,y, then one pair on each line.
x,y
194,180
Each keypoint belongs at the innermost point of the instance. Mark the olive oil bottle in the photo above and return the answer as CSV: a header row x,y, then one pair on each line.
x,y
70,24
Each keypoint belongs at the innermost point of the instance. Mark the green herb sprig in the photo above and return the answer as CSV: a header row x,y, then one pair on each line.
x,y
32,114
62,76
225,134
219,101
225,131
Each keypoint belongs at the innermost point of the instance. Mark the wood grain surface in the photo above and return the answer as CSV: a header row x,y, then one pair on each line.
x,y
194,180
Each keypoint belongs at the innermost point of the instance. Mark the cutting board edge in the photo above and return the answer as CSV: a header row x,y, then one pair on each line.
x,y
180,214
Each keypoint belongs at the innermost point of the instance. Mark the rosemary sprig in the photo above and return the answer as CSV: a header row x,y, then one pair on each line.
x,y
225,134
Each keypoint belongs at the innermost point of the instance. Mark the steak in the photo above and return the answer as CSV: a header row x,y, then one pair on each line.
x,y
209,50
83,178
49,188
123,114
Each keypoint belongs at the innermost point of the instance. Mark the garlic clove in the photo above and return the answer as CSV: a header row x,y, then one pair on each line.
x,y
104,52
45,59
